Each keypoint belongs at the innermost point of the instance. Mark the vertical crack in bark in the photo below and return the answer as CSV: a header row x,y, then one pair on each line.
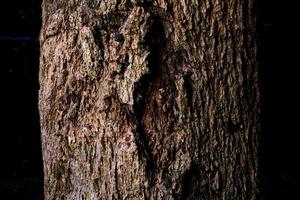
x,y
154,41
189,92
188,179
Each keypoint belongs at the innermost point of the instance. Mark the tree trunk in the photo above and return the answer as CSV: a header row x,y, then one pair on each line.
x,y
149,99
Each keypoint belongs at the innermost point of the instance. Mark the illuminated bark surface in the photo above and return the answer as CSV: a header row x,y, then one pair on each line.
x,y
149,100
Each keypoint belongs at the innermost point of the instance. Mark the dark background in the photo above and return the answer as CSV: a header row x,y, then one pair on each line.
x,y
20,146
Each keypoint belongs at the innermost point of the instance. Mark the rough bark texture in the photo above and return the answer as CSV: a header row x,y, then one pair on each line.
x,y
149,99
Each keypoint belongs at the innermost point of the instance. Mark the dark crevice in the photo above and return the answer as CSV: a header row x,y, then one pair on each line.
x,y
188,180
232,127
97,37
154,42
143,3
189,92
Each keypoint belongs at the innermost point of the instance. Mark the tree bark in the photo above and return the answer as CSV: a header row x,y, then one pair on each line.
x,y
149,99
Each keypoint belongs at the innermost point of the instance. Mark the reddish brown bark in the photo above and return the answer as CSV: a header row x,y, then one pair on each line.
x,y
149,100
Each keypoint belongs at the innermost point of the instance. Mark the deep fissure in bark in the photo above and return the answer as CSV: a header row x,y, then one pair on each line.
x,y
154,41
